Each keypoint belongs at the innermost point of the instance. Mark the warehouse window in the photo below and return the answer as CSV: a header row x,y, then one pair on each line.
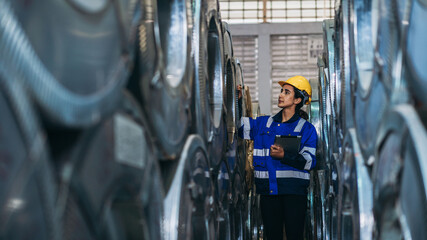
x,y
246,51
259,11
293,55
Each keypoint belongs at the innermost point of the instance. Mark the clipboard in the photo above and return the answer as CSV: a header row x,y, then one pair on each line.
x,y
290,144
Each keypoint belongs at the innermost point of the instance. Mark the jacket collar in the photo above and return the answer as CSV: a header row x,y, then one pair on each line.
x,y
278,117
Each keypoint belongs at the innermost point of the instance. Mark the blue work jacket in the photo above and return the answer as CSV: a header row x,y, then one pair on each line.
x,y
289,175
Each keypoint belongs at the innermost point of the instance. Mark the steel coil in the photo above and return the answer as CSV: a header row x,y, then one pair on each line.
x,y
329,58
217,147
254,222
28,189
222,197
188,202
342,24
215,91
238,206
75,67
362,40
323,118
164,76
230,100
415,49
227,41
399,176
110,179
355,219
201,120
331,223
241,106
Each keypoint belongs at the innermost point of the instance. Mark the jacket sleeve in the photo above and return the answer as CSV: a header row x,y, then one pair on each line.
x,y
306,158
247,128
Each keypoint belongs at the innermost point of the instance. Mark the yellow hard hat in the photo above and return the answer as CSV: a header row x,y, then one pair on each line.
x,y
301,83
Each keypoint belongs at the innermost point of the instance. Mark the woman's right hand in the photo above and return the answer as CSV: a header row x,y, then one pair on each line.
x,y
277,151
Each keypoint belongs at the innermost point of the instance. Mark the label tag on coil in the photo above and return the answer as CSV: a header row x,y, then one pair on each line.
x,y
129,142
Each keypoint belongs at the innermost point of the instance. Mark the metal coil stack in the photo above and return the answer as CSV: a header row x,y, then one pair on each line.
x,y
372,123
120,120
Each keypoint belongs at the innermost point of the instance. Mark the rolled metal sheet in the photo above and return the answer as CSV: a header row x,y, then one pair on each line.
x,y
73,58
254,222
415,51
346,110
215,90
217,147
331,222
336,76
242,106
165,75
28,189
238,207
231,100
329,46
222,197
368,114
227,41
400,175
216,83
324,119
362,43
189,200
355,219
201,121
386,86
110,178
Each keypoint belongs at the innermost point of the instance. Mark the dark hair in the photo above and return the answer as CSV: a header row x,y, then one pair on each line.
x,y
299,94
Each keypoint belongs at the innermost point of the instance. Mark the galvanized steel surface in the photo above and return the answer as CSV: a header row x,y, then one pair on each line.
x,y
122,87
376,174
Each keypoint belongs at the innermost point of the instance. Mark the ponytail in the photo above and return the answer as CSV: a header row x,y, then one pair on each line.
x,y
303,114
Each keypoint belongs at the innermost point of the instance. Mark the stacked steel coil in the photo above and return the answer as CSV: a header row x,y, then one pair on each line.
x,y
119,120
372,184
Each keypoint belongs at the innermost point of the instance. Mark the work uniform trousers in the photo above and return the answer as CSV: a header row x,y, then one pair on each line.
x,y
277,210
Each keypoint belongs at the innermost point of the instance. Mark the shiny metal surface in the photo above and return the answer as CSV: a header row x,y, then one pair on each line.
x,y
346,111
216,83
110,179
227,41
164,85
415,49
362,38
74,68
28,191
230,100
238,207
217,147
199,102
355,219
399,176
223,196
188,201
215,88
254,222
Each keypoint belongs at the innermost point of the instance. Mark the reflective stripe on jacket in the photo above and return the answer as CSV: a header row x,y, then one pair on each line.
x,y
289,175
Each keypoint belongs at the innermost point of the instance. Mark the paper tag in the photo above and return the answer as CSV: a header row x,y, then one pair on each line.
x,y
129,142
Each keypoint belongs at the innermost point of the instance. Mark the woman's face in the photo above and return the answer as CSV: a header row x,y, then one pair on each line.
x,y
287,97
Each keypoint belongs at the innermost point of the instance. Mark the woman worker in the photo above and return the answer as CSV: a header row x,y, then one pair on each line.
x,y
282,177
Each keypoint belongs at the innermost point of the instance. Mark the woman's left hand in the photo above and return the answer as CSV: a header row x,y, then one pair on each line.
x,y
277,151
